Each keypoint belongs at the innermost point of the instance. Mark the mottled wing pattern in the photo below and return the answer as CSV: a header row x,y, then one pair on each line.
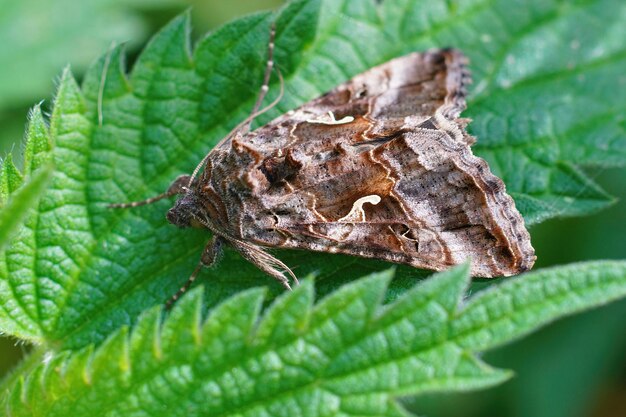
x,y
379,167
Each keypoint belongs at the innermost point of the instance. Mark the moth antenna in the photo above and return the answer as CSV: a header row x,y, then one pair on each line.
x,y
198,167
145,202
238,129
268,71
177,187
244,126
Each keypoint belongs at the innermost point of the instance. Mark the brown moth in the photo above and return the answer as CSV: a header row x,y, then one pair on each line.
x,y
380,167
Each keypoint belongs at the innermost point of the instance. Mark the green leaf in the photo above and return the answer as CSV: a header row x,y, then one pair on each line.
x,y
345,355
10,178
509,311
36,154
21,200
38,37
18,198
78,270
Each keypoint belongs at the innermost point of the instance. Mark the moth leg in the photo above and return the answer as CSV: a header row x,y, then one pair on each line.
x,y
179,186
210,253
266,263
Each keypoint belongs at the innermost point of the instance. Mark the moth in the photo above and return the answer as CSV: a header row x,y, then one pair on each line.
x,y
379,167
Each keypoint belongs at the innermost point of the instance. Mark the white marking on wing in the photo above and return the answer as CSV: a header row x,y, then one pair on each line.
x,y
357,214
330,120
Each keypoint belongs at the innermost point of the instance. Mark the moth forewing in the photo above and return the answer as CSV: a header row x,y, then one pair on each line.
x,y
379,167
309,179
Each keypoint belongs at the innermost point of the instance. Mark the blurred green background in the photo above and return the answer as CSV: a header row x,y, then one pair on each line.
x,y
576,367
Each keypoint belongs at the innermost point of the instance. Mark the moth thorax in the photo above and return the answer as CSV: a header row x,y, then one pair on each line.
x,y
186,211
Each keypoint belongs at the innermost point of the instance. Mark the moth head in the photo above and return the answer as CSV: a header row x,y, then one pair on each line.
x,y
185,211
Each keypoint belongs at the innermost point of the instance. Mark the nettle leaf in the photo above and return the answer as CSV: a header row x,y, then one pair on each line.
x,y
19,195
78,270
16,208
346,355
38,37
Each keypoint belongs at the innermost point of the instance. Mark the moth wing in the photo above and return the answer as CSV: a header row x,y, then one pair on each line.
x,y
381,167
